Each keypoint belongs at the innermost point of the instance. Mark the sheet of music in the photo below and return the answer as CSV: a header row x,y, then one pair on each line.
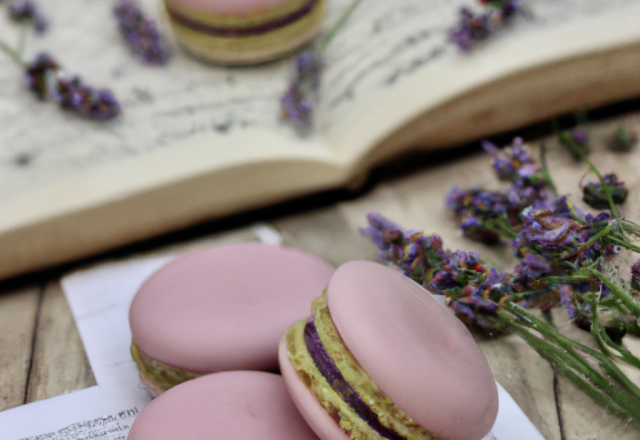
x,y
383,43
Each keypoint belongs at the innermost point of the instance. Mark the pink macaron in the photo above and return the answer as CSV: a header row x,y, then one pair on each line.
x,y
239,405
244,31
381,358
220,309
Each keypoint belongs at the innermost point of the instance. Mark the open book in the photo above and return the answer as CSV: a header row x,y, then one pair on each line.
x,y
197,142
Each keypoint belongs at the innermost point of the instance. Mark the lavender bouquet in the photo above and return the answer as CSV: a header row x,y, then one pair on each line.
x,y
565,258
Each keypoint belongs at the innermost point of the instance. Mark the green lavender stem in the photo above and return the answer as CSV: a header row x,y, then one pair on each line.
x,y
598,236
565,366
567,361
330,35
626,299
600,335
625,244
12,53
22,42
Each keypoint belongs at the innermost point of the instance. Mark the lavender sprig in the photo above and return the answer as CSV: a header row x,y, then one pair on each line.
x,y
473,28
488,215
45,79
576,141
298,103
28,10
141,33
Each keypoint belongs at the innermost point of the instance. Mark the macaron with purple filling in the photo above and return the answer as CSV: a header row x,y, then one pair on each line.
x,y
220,309
380,358
239,405
238,32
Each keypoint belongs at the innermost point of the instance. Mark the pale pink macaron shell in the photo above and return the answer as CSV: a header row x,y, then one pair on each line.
x,y
412,347
225,308
237,405
229,7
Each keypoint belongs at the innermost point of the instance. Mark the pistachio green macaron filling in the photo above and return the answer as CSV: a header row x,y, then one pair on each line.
x,y
389,415
159,377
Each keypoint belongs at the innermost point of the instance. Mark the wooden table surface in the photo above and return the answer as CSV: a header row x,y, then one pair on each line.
x,y
41,354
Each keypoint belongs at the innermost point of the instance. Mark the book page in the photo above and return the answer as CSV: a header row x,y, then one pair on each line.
x,y
165,108
394,60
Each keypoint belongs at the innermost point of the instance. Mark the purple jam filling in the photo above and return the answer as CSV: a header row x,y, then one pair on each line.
x,y
241,32
337,382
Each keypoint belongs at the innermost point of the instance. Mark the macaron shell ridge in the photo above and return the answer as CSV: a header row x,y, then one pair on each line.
x,y
231,405
158,377
312,411
414,349
248,38
225,308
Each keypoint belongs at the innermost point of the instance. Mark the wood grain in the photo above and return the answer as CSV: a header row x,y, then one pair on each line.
x,y
60,364
18,316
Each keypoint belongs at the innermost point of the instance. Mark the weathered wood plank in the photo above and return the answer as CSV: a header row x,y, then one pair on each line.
x,y
528,378
18,314
325,233
60,363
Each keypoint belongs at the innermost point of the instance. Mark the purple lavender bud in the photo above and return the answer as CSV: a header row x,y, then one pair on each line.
x,y
473,229
141,33
470,30
98,104
309,66
577,141
635,276
297,104
579,136
40,73
297,110
28,10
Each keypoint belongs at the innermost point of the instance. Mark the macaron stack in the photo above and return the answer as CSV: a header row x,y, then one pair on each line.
x,y
238,32
379,358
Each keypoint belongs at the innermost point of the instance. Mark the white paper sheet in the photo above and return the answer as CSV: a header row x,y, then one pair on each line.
x,y
99,300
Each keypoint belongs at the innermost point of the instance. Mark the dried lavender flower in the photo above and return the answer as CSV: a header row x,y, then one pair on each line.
x,y
44,78
299,100
99,104
40,73
141,33
472,291
298,103
470,30
297,110
624,139
486,215
473,28
577,142
593,193
25,10
635,276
